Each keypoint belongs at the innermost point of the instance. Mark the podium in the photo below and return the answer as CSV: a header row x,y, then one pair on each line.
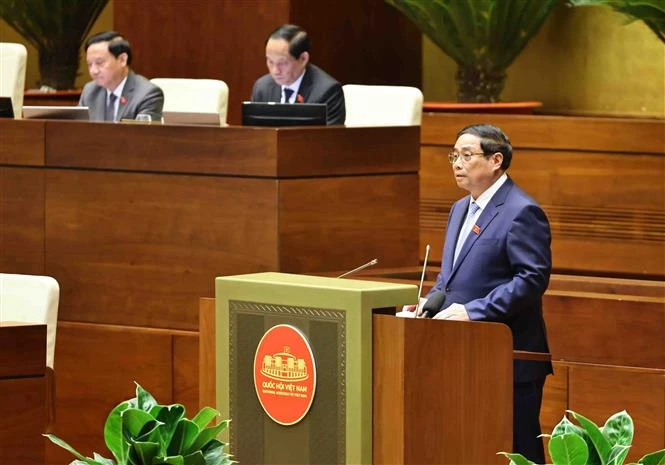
x,y
315,370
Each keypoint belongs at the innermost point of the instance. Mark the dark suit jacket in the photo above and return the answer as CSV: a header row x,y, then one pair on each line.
x,y
140,96
316,87
502,270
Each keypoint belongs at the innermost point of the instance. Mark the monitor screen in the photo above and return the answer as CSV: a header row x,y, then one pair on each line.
x,y
283,114
48,112
6,109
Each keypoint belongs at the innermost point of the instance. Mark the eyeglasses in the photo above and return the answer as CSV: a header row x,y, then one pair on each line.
x,y
466,156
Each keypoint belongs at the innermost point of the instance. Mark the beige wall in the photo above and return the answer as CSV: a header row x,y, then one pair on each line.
x,y
583,60
7,34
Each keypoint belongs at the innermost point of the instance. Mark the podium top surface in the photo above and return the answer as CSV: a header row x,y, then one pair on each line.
x,y
317,282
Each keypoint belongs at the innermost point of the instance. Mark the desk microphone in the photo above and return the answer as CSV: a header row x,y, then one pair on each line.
x,y
361,267
433,304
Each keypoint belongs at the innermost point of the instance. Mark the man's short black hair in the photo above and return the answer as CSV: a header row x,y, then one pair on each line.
x,y
117,44
296,36
492,140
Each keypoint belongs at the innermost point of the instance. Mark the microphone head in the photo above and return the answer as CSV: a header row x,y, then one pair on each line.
x,y
434,303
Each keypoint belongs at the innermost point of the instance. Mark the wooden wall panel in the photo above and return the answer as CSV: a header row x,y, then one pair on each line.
x,y
362,42
21,220
555,398
600,181
222,39
618,330
118,248
355,41
89,387
186,371
598,392
340,223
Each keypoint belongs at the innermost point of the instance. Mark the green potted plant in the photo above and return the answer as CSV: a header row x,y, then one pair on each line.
x,y
57,29
652,12
482,36
586,443
139,431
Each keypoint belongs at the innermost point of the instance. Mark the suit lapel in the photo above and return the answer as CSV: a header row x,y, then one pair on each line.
x,y
100,104
305,85
454,226
487,215
126,98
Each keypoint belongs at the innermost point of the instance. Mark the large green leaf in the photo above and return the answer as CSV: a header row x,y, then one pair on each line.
x,y
515,459
56,440
205,436
169,416
654,458
184,435
599,441
144,399
102,460
195,458
214,453
113,432
618,429
568,449
205,416
144,453
617,455
137,423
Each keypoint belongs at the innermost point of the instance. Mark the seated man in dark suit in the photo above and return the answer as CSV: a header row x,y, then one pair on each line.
x,y
116,92
293,79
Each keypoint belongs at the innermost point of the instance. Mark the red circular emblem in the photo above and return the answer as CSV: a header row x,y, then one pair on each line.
x,y
285,374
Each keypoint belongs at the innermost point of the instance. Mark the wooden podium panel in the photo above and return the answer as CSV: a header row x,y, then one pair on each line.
x,y
442,391
22,393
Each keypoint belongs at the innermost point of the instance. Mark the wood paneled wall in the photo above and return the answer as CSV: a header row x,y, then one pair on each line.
x,y
601,182
356,41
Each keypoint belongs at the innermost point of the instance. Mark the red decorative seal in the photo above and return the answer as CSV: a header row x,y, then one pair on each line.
x,y
285,374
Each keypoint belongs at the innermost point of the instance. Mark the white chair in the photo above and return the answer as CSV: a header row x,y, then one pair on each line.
x,y
195,95
13,58
382,105
32,299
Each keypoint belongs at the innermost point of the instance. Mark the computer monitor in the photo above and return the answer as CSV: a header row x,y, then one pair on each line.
x,y
6,108
283,114
49,112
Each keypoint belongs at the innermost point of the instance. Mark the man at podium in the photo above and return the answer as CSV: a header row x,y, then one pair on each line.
x,y
496,266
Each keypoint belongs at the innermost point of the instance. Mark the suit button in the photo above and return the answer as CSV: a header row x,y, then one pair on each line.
x,y
448,289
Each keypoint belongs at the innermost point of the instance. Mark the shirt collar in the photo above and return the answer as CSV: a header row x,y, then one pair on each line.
x,y
118,90
294,86
484,198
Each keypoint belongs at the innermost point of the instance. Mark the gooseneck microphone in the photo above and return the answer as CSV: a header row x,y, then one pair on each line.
x,y
433,304
361,267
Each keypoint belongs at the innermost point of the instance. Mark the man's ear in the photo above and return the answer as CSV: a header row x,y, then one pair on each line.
x,y
497,158
123,59
304,58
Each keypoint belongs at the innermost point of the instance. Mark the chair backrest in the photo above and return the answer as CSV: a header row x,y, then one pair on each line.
x,y
195,95
13,58
382,105
32,299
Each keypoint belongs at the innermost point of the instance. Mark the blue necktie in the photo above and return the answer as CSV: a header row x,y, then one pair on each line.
x,y
109,111
287,94
466,228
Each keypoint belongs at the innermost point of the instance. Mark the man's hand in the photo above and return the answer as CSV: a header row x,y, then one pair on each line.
x,y
453,312
410,311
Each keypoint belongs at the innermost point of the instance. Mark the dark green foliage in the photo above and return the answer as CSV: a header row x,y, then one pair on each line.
x,y
139,431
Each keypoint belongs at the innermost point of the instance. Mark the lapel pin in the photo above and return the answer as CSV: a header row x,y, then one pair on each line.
x,y
300,98
123,100
476,229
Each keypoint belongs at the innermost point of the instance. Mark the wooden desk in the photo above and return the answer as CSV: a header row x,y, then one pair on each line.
x,y
22,393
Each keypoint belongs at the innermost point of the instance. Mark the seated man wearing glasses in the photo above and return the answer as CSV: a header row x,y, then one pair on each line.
x,y
496,266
